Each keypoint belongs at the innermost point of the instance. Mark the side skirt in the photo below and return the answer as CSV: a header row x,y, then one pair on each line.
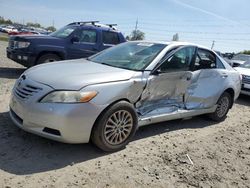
x,y
178,114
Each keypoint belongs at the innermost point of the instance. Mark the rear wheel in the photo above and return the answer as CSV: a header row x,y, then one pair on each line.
x,y
223,106
46,58
115,128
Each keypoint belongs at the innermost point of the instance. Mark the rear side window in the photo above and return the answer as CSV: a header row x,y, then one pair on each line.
x,y
110,37
204,60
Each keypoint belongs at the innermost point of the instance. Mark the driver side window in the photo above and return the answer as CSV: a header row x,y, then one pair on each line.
x,y
86,36
180,61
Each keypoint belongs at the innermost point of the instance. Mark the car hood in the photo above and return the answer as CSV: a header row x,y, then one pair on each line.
x,y
38,39
243,71
76,74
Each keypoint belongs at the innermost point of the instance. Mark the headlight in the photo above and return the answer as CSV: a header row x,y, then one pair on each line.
x,y
20,44
69,97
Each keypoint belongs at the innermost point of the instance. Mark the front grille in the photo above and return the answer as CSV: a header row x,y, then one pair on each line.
x,y
245,79
24,90
52,131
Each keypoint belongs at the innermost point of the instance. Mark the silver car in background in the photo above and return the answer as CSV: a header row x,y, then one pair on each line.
x,y
106,97
244,70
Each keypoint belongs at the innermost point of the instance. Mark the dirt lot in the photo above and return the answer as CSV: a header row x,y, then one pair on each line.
x,y
157,157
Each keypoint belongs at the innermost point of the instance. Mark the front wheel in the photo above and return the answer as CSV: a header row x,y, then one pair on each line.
x,y
115,128
223,106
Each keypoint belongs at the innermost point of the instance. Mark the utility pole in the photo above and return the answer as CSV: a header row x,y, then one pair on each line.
x,y
53,23
212,45
136,25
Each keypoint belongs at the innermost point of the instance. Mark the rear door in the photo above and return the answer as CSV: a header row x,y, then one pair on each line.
x,y
87,45
167,86
208,80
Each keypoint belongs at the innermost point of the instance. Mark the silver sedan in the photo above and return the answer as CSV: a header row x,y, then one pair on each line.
x,y
106,97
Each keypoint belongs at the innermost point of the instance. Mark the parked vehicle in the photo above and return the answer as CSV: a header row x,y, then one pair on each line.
x,y
106,97
1,28
244,70
239,59
24,32
8,29
76,40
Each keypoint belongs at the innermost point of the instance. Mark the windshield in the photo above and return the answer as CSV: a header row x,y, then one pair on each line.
x,y
130,55
241,57
245,65
63,32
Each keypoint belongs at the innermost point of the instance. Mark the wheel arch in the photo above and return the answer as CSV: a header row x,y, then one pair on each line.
x,y
104,110
61,55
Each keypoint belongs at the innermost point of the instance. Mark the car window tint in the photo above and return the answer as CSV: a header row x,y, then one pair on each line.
x,y
204,60
179,61
88,36
110,37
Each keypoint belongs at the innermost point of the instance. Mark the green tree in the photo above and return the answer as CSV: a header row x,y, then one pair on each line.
x,y
246,52
136,35
51,28
30,24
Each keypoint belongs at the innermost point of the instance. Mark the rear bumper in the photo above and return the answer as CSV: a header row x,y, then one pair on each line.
x,y
26,59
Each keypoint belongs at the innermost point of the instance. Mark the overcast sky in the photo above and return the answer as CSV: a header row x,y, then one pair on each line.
x,y
227,22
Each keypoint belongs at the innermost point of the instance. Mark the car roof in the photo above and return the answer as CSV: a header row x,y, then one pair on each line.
x,y
175,43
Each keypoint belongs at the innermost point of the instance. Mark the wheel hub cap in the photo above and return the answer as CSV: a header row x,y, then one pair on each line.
x,y
118,127
223,106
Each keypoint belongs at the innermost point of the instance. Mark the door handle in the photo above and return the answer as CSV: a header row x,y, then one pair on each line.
x,y
224,75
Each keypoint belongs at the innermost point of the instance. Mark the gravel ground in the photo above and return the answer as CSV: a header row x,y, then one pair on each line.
x,y
157,157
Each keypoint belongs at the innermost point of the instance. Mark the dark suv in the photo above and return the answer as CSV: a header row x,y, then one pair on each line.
x,y
76,40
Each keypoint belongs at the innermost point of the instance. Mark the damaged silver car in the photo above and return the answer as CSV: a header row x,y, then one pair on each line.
x,y
106,97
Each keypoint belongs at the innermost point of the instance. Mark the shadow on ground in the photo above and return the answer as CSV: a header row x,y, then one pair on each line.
x,y
243,100
11,73
24,153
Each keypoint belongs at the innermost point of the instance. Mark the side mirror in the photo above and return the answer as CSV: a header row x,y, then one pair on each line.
x,y
75,40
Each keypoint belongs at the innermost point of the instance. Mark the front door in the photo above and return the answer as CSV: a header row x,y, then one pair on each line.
x,y
86,45
167,86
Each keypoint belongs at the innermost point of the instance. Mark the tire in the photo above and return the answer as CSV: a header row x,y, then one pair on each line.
x,y
46,58
115,127
223,105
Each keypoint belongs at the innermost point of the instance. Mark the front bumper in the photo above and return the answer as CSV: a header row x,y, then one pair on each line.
x,y
68,123
26,59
